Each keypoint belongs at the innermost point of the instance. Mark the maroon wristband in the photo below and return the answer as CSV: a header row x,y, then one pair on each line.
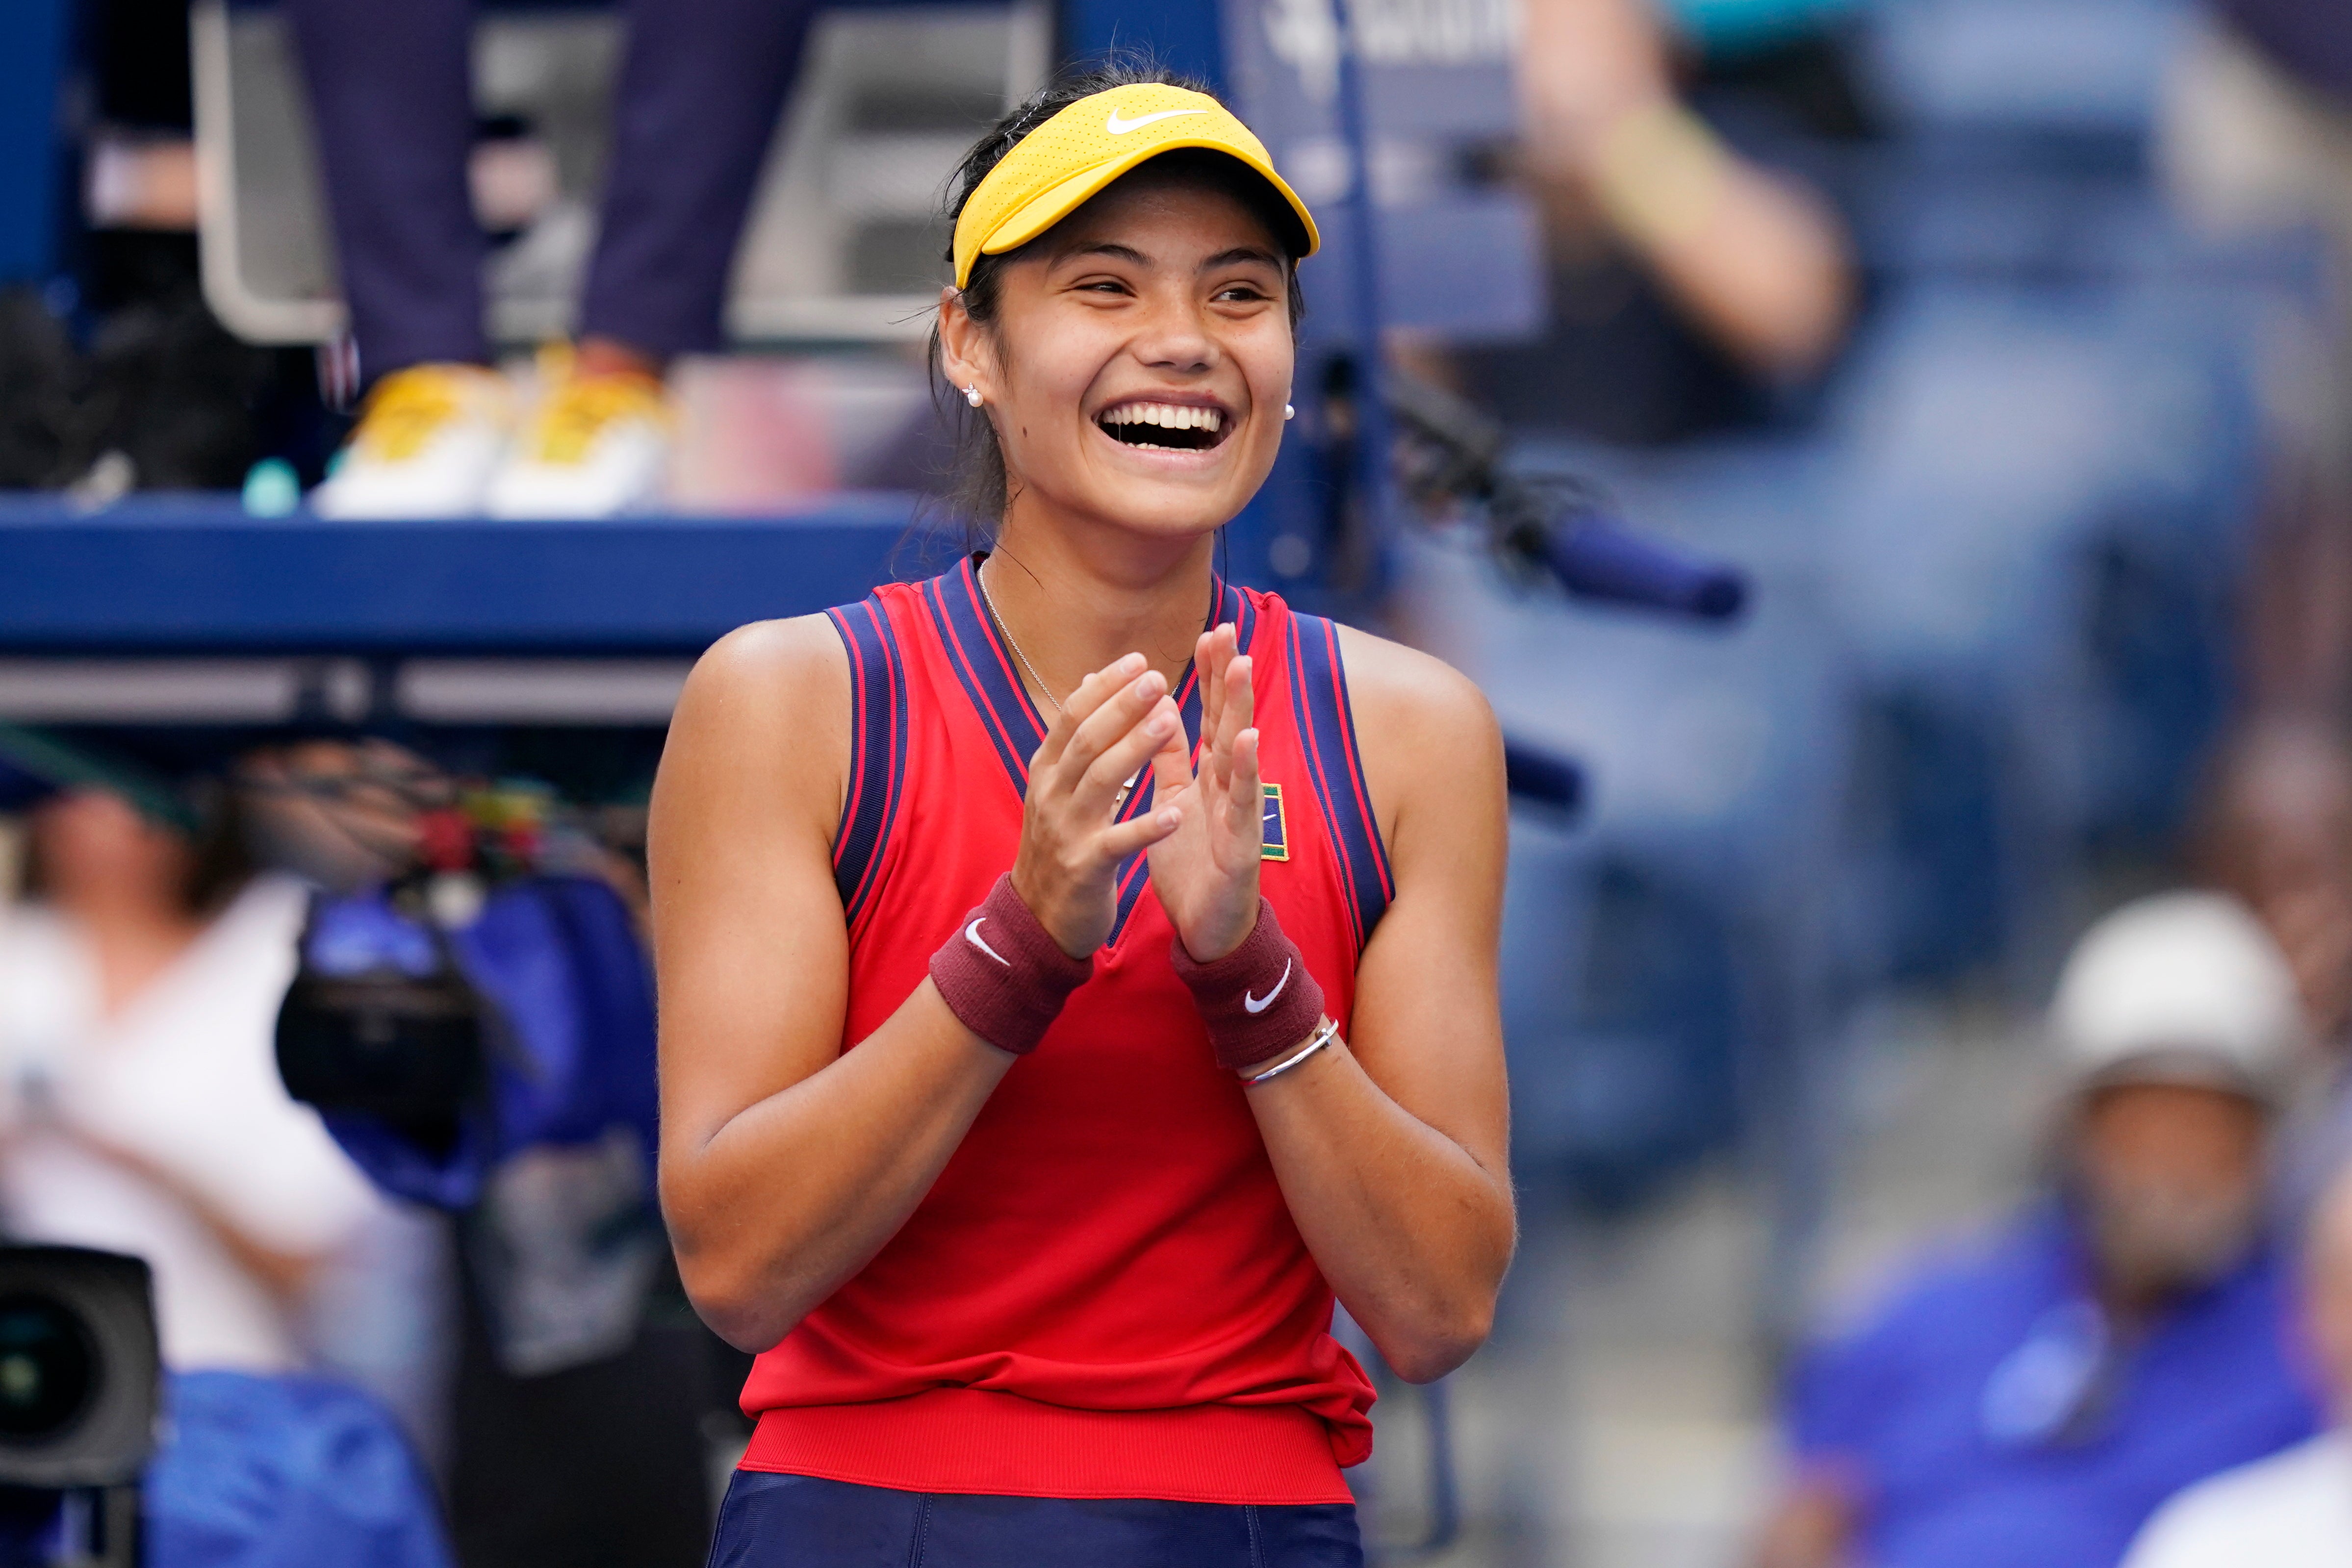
x,y
1003,975
1258,1000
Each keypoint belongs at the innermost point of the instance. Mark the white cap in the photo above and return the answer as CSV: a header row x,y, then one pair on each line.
x,y
2183,987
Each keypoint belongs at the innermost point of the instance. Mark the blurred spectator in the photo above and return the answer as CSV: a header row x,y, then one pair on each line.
x,y
140,1105
2293,1509
2257,127
114,373
2255,137
699,95
2278,834
1685,274
2034,1400
1755,259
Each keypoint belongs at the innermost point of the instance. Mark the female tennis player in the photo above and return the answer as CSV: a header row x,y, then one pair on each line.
x,y
1077,970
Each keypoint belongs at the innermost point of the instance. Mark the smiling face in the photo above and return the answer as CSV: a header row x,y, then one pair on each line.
x,y
1138,361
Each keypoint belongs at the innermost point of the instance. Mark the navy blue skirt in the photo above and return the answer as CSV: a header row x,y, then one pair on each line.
x,y
800,1522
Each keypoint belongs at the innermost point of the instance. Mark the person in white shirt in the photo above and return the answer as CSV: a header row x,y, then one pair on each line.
x,y
2293,1509
141,1109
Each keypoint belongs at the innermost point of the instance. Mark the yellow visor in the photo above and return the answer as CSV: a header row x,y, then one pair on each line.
x,y
1057,167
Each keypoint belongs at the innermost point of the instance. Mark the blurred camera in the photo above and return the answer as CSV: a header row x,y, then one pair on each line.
x,y
380,1020
80,1369
405,1049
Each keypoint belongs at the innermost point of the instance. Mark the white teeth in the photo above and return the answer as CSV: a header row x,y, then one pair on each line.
x,y
1167,415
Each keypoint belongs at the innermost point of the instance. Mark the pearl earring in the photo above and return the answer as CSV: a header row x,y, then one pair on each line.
x,y
971,395
1288,411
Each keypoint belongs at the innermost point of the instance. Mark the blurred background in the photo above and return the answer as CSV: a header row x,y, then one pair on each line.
x,y
1889,462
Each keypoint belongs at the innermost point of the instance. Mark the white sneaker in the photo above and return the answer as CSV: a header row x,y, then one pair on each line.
x,y
597,445
428,440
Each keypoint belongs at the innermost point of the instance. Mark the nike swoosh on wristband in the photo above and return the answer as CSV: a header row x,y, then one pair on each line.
x,y
1118,127
971,934
1259,1005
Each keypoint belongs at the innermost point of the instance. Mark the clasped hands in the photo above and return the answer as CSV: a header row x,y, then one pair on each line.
x,y
1205,832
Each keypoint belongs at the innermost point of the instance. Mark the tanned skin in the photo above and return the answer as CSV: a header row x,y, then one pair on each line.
x,y
786,1161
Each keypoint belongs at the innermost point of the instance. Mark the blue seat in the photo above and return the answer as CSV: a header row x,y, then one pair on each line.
x,y
1656,959
2030,547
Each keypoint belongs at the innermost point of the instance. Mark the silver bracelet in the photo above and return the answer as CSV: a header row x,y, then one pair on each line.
x,y
1315,1042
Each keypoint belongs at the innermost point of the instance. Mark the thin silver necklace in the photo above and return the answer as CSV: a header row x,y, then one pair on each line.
x,y
1014,643
1006,627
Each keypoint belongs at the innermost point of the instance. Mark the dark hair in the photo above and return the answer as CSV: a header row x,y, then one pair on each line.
x,y
977,481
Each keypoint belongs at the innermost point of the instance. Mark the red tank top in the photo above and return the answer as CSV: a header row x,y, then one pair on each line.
x,y
1103,1295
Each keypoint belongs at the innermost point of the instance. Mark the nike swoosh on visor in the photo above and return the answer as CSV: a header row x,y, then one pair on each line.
x,y
1118,127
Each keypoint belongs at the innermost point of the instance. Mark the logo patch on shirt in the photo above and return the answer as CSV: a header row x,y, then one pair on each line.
x,y
1277,832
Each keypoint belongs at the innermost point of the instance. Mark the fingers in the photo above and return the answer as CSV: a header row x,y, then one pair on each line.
x,y
1094,735
1207,663
1115,714
1171,766
1131,837
1098,786
1240,704
1092,692
1235,712
1244,792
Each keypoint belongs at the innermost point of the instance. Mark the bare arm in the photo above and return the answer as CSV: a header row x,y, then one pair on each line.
x,y
1758,260
1392,1149
754,960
